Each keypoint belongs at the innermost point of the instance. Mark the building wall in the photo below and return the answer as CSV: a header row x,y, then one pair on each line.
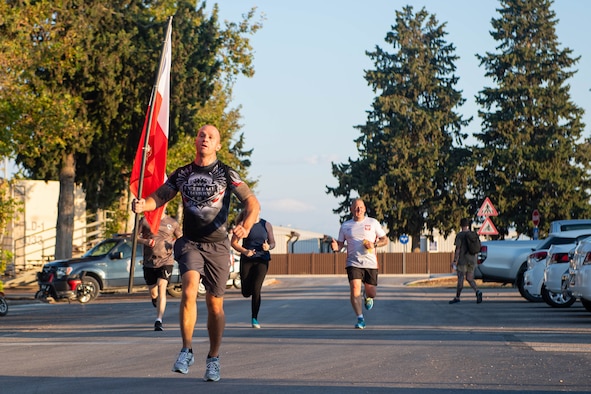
x,y
289,240
33,229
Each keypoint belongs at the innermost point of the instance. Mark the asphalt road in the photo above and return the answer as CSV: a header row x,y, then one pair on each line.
x,y
415,342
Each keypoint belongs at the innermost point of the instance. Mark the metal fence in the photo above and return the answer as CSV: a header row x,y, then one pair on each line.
x,y
35,249
334,263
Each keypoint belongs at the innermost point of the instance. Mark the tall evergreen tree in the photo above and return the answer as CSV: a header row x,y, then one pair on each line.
x,y
408,171
532,154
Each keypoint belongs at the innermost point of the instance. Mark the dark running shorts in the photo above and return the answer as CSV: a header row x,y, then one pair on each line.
x,y
211,260
468,267
151,275
367,275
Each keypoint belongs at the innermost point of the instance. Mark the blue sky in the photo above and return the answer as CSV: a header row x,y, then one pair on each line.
x,y
309,91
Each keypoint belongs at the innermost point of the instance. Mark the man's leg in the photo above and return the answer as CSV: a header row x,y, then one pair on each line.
x,y
370,291
160,288
188,318
216,322
154,293
188,308
471,281
460,284
355,286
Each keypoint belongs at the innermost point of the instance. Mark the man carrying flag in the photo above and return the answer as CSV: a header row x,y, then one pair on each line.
x,y
204,250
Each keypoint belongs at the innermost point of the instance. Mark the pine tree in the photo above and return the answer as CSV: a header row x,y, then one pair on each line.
x,y
408,172
532,154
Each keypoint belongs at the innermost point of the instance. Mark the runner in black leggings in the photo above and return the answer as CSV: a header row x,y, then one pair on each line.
x,y
254,262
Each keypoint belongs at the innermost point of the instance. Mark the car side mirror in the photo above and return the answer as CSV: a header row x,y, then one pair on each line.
x,y
116,255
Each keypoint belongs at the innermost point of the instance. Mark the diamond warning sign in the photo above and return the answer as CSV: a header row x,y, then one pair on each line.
x,y
487,209
488,228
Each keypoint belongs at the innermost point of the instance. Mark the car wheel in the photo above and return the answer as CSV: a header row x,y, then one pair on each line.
x,y
557,300
175,290
520,283
88,290
3,306
41,295
586,304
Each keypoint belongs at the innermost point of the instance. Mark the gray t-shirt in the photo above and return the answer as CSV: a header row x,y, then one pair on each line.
x,y
161,254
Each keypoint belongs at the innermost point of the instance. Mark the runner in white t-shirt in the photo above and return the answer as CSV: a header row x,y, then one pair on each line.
x,y
362,235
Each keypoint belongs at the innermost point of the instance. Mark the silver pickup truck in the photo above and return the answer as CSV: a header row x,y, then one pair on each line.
x,y
506,261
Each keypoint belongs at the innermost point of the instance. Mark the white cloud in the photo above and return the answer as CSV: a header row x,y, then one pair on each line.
x,y
288,205
321,159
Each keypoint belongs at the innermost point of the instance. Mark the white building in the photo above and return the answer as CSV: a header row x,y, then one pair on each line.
x,y
289,240
31,234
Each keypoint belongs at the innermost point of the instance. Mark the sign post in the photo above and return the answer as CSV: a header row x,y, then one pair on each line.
x,y
535,218
487,210
403,240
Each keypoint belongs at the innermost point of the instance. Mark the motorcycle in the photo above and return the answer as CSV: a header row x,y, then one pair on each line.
x,y
3,305
78,289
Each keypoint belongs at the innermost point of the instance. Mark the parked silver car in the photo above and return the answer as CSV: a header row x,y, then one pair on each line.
x,y
579,277
554,290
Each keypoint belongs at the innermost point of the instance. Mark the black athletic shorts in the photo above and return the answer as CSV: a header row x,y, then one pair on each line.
x,y
151,275
367,275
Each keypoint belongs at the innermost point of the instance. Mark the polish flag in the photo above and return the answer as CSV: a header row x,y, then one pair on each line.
x,y
151,156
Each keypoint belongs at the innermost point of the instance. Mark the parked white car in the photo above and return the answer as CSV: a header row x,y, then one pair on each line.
x,y
554,289
532,281
580,273
533,277
539,264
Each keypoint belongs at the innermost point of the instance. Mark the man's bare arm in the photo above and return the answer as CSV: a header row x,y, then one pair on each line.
x,y
252,209
160,197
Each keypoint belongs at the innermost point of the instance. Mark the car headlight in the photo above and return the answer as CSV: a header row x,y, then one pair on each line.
x,y
63,271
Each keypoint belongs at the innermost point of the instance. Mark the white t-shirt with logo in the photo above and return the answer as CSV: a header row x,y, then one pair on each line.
x,y
353,233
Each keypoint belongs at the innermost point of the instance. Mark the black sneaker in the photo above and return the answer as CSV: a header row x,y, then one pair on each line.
x,y
478,297
158,326
455,300
155,302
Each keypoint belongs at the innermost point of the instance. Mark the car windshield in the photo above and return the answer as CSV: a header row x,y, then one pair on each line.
x,y
102,248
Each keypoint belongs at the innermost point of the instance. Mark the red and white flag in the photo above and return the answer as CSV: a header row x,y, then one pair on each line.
x,y
156,126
